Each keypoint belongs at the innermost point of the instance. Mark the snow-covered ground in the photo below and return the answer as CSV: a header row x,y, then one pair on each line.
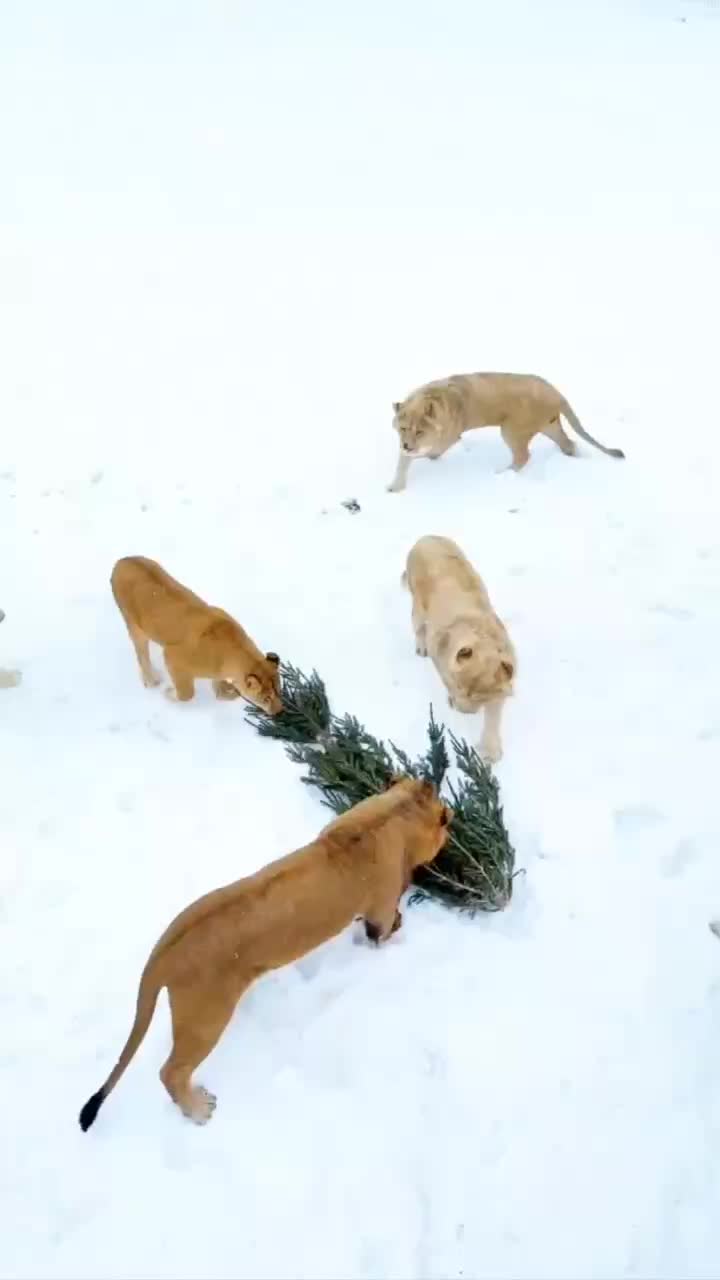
x,y
230,236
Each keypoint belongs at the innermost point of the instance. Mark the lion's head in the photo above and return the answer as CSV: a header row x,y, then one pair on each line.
x,y
258,681
417,422
430,817
477,672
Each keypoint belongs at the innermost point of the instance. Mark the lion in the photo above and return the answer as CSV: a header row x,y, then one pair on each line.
x,y
434,417
359,865
455,624
198,640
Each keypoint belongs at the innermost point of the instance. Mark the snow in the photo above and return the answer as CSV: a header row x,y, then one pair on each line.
x,y
231,235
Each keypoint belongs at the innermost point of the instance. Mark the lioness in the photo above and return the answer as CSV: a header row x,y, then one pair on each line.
x,y
199,641
433,418
456,625
360,864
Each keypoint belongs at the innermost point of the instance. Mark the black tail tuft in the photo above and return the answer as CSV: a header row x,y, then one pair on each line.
x,y
616,453
90,1110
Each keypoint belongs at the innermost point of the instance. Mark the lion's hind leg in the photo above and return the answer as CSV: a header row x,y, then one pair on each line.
x,y
200,1014
555,432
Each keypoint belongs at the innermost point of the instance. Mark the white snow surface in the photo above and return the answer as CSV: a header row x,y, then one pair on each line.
x,y
230,235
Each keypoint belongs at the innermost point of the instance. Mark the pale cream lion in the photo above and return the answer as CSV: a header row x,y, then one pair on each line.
x,y
433,418
456,625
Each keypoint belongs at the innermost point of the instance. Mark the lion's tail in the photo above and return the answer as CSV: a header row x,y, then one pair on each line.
x,y
146,1000
578,427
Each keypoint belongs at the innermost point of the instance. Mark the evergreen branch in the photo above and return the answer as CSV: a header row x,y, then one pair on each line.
x,y
475,870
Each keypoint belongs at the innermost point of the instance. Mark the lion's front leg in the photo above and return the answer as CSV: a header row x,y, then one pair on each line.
x,y
399,480
419,624
490,746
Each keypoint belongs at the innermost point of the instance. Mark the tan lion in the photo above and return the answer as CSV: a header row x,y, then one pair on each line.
x,y
433,418
456,625
199,641
359,865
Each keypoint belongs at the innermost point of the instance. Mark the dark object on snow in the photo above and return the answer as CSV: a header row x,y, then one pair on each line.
x,y
351,505
475,870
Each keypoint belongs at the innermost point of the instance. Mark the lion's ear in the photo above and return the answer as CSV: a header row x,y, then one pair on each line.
x,y
508,669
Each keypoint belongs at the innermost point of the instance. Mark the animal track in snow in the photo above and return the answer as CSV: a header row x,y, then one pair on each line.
x,y
671,611
680,857
635,819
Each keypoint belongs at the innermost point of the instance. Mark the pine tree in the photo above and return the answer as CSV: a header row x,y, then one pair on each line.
x,y
474,872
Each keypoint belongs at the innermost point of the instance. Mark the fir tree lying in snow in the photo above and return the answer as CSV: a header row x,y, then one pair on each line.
x,y
474,871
